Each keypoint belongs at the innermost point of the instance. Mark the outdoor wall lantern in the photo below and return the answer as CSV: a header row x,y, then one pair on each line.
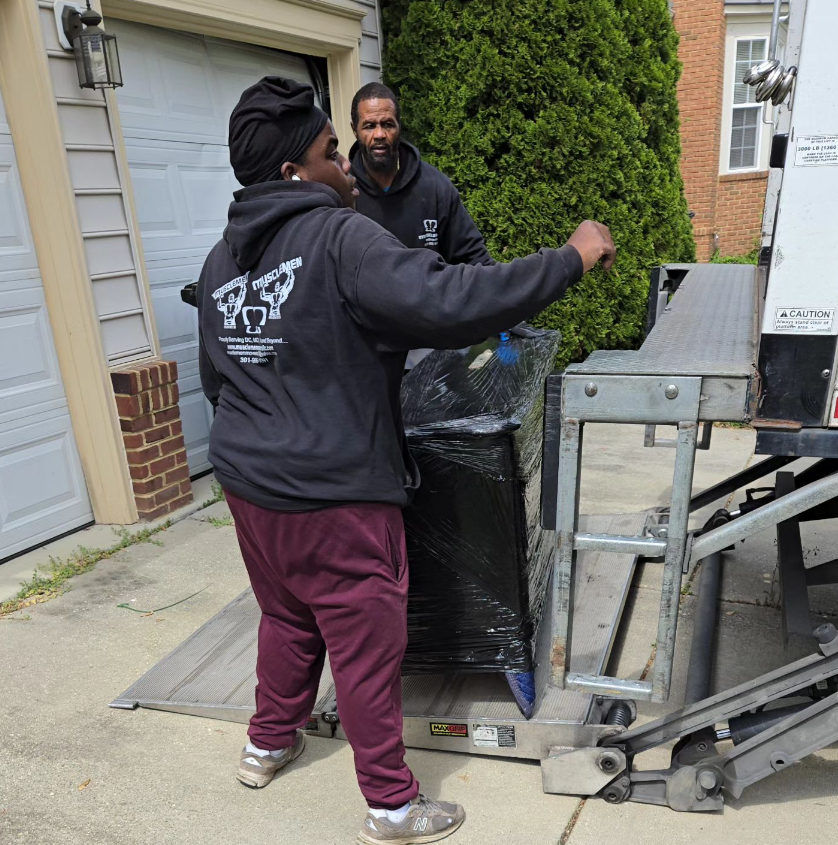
x,y
97,59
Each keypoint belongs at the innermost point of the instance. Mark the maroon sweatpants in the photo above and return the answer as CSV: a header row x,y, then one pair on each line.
x,y
332,579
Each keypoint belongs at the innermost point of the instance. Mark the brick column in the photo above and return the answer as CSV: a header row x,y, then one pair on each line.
x,y
149,415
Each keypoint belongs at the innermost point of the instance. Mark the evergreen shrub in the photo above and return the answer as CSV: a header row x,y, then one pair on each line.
x,y
544,113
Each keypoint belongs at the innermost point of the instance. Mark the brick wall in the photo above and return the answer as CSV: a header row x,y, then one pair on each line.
x,y
739,211
701,25
149,415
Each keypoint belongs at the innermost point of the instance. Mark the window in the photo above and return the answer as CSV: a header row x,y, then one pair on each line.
x,y
745,125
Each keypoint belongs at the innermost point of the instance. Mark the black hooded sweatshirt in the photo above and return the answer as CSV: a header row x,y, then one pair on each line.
x,y
422,208
306,312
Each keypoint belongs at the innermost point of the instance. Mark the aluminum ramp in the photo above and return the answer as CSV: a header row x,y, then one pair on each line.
x,y
212,674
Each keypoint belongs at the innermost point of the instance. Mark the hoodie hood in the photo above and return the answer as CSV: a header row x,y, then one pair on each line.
x,y
257,213
410,163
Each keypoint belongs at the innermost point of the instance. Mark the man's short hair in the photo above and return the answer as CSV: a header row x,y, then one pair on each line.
x,y
374,91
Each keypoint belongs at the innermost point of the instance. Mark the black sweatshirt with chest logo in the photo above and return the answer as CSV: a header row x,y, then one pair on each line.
x,y
422,208
306,312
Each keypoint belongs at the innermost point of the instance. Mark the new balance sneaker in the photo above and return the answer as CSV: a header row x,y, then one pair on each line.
x,y
426,821
256,772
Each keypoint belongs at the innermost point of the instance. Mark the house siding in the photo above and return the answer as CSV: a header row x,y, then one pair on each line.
x,y
104,213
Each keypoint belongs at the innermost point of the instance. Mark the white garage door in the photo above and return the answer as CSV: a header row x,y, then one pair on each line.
x,y
42,488
178,95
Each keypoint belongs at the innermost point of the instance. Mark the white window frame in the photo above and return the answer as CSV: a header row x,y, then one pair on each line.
x,y
745,24
734,107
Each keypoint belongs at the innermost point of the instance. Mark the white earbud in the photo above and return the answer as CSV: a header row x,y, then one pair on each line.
x,y
296,178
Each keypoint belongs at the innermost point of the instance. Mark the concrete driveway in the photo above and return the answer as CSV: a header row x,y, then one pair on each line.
x,y
74,771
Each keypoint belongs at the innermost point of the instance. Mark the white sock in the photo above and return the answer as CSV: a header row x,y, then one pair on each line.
x,y
250,748
394,816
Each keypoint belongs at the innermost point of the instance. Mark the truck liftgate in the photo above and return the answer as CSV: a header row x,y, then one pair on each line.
x,y
725,343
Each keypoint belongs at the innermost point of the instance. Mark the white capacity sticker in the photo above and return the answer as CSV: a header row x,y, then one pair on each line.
x,y
816,151
494,736
804,320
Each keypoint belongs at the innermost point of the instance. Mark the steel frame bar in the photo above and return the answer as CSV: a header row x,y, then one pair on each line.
x,y
610,687
794,588
735,482
564,565
650,441
767,516
674,401
619,544
673,564
722,707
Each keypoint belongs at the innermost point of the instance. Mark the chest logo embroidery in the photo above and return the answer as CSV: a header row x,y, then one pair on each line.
x,y
430,237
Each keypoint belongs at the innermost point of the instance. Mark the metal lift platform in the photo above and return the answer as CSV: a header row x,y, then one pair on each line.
x,y
697,366
702,341
212,674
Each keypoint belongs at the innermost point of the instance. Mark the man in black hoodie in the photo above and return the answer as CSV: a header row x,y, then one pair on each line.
x,y
306,310
410,198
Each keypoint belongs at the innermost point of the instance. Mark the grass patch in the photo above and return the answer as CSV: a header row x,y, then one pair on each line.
x,y
217,495
51,580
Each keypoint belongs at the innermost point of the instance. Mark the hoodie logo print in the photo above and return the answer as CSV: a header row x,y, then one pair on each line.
x,y
430,237
254,318
234,291
275,286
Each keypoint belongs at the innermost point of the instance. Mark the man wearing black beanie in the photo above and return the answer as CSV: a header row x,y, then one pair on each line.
x,y
306,312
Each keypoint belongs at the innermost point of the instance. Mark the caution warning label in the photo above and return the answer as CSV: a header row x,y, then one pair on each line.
x,y
816,151
804,320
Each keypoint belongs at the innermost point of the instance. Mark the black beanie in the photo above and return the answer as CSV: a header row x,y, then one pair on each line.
x,y
275,121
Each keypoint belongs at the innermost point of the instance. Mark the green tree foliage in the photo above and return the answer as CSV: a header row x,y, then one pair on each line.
x,y
545,113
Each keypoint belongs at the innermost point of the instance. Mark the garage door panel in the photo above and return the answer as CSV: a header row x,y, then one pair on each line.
x,y
187,77
42,490
196,414
142,96
29,373
236,69
156,203
12,237
42,487
16,249
172,96
182,198
208,193
177,327
177,322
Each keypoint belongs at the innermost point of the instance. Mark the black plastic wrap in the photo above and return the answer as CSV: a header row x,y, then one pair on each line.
x,y
479,558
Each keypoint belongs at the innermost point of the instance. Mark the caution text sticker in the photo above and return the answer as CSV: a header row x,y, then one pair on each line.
x,y
804,320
